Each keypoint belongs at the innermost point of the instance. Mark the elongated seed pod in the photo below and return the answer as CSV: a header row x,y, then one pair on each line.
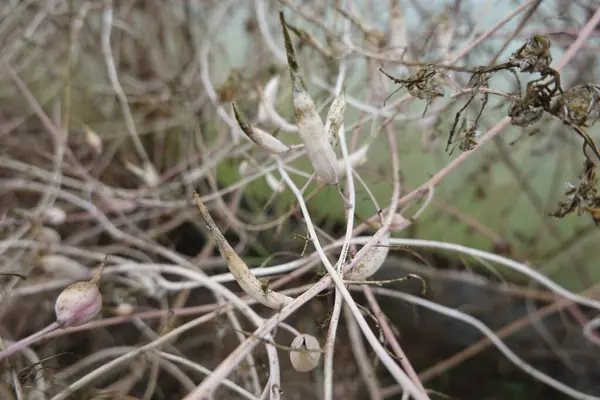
x,y
310,126
305,352
238,268
372,261
335,118
260,137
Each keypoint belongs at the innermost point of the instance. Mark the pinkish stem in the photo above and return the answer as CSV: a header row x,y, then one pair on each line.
x,y
21,344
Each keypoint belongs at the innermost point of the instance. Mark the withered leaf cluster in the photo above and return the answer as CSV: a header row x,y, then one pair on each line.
x,y
583,197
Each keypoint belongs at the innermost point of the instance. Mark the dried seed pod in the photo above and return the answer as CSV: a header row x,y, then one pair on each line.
x,y
49,235
399,223
260,137
238,268
93,139
305,353
55,215
310,126
274,184
534,55
372,261
80,302
335,118
270,97
63,267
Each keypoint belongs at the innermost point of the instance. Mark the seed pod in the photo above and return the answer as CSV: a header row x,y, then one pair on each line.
x,y
55,215
580,104
399,223
372,261
242,274
274,184
305,353
80,302
355,159
63,267
335,118
270,97
49,235
310,126
260,137
93,139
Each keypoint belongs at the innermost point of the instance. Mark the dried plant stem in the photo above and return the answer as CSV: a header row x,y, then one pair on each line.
x,y
480,326
391,338
365,367
21,344
398,374
107,23
190,274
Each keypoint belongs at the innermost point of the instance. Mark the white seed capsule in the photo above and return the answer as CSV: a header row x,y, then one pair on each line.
x,y
55,215
260,137
372,261
310,126
305,353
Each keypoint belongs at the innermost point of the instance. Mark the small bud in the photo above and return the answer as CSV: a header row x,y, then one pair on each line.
x,y
63,267
399,223
93,139
55,216
49,235
305,353
148,174
275,185
80,302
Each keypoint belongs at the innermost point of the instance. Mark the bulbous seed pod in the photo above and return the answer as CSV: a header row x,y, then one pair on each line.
x,y
80,302
310,126
372,261
305,353
260,137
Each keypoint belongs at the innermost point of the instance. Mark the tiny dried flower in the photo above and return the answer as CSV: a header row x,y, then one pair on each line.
x,y
534,55
522,113
260,137
580,104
